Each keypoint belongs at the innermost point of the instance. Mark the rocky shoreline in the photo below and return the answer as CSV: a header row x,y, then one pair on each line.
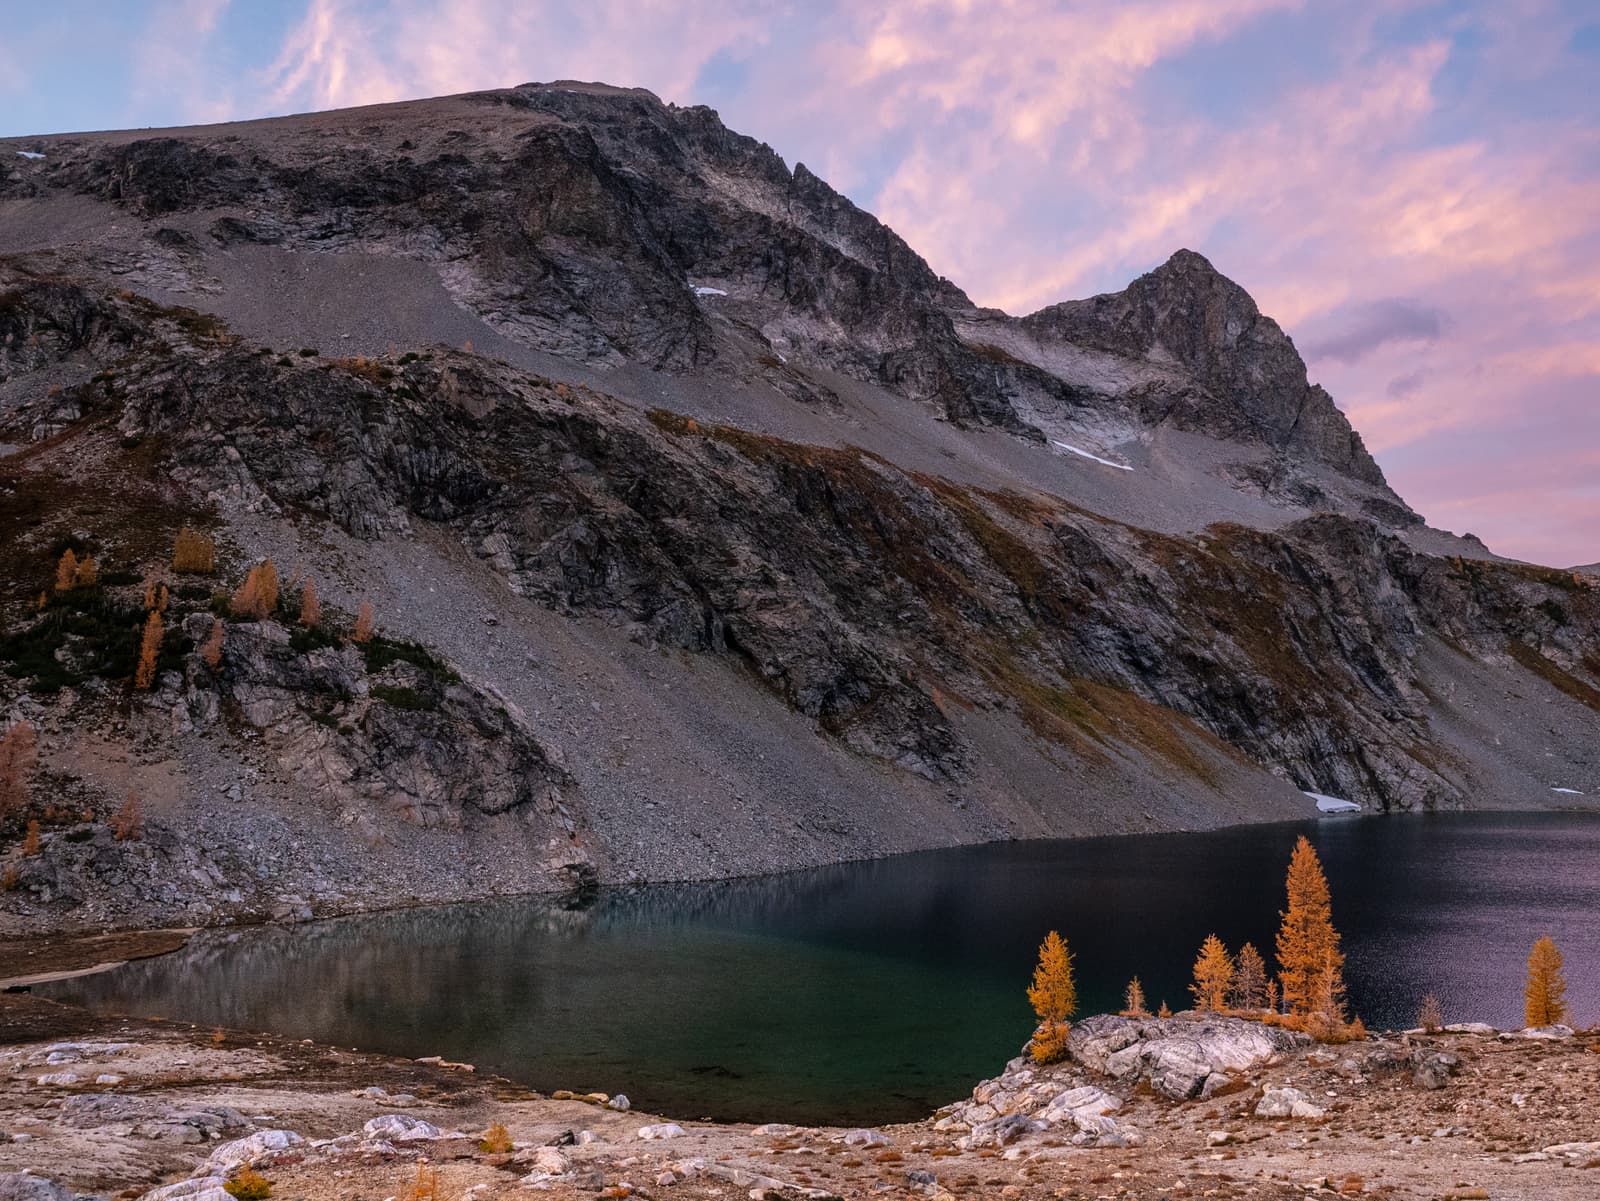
x,y
1190,1105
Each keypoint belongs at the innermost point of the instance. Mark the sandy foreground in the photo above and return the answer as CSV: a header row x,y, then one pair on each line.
x,y
119,1107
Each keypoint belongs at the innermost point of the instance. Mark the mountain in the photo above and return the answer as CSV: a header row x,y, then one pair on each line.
x,y
707,528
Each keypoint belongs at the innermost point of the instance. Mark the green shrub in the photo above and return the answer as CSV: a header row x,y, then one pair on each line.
x,y
402,698
379,652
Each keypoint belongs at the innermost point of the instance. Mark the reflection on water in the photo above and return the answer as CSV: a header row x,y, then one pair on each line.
x,y
878,991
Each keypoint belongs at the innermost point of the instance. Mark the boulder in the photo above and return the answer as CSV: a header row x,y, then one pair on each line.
x,y
1433,1069
247,1151
25,1186
1180,1057
402,1128
1286,1103
661,1131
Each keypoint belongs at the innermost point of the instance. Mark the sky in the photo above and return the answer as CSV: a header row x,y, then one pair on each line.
x,y
1412,189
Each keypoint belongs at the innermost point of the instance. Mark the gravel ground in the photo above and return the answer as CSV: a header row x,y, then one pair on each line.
x,y
1484,1135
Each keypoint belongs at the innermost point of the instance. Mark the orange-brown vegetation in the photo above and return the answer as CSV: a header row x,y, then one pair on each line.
x,y
363,630
1213,975
1249,991
19,752
193,553
1310,964
30,842
496,1140
149,651
67,571
310,607
211,648
1054,997
1133,1005
88,573
247,1184
128,824
1545,994
257,597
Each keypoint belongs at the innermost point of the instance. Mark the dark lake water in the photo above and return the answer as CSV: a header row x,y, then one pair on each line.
x,y
878,991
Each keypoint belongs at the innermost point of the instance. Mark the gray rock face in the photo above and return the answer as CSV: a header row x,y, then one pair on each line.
x,y
1246,381
1181,1058
1296,646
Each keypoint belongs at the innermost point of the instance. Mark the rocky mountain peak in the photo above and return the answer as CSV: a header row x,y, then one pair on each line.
x,y
1189,315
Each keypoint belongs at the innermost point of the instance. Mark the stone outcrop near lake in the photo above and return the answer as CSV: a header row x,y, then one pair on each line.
x,y
709,531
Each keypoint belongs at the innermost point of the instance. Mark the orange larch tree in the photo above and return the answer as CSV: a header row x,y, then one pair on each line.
x,y
1054,997
363,630
149,651
67,571
1249,981
1213,975
193,553
1133,1003
269,588
1545,995
211,648
88,573
1310,964
19,752
310,607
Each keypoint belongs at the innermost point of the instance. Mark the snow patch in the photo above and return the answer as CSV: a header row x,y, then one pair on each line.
x,y
1085,454
709,292
1333,804
1568,791
29,154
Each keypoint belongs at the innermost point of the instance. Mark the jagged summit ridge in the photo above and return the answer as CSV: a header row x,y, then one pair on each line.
x,y
1188,313
578,219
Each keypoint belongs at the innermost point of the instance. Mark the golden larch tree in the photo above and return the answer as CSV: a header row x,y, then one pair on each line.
x,y
149,651
30,842
269,588
363,630
88,572
1272,995
310,607
19,752
1164,1011
193,553
1545,995
1249,991
1310,964
1054,997
1213,975
247,601
211,648
1133,1004
149,593
67,571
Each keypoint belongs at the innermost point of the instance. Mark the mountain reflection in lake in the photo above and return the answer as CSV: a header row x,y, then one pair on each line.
x,y
878,991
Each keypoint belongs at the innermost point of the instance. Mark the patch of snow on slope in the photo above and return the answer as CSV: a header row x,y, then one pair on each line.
x,y
30,154
1085,454
1333,804
1568,791
709,292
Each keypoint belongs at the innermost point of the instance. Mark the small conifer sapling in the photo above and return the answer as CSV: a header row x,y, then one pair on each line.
x,y
149,651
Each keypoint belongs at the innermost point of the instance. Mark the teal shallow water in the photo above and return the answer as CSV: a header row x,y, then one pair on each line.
x,y
878,991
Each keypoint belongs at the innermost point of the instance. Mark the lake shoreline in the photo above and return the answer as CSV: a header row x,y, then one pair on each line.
x,y
19,927
70,1082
